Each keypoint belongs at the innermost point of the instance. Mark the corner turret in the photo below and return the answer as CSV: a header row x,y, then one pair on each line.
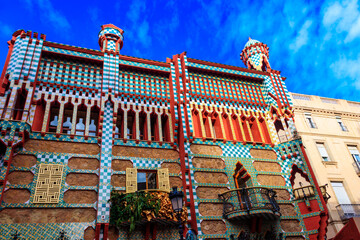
x,y
110,38
255,55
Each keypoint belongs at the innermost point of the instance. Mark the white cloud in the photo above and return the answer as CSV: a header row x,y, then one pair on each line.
x,y
136,10
139,31
302,38
343,17
58,20
94,14
143,33
345,68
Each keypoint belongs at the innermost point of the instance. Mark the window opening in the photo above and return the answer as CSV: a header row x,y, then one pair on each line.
x,y
94,121
119,124
142,126
20,104
81,120
310,120
146,180
54,116
165,128
67,118
154,127
39,115
130,124
341,124
280,131
323,152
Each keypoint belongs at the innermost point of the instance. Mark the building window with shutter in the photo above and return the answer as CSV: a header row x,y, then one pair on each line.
x,y
323,152
137,179
356,156
310,120
341,124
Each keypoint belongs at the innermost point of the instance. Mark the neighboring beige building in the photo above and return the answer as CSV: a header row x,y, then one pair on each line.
x,y
330,130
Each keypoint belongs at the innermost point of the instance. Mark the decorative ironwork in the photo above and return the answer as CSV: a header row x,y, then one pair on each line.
x,y
325,194
304,192
247,199
347,211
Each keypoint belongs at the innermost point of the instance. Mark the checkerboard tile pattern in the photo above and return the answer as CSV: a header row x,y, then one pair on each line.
x,y
105,165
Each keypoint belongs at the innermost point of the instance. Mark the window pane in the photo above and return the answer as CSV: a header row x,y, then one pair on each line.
x,y
323,152
340,193
152,181
141,180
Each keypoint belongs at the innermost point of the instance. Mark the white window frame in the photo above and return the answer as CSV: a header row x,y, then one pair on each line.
x,y
310,120
323,152
341,124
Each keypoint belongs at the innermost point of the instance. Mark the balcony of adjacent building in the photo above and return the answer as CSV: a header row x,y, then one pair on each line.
x,y
347,211
244,203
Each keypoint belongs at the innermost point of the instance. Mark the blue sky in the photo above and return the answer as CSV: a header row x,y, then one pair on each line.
x,y
315,44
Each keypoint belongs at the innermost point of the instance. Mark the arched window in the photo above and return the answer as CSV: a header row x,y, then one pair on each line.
x,y
94,121
119,128
196,123
39,115
18,109
280,131
154,127
241,176
80,120
54,116
245,123
300,183
227,126
165,128
130,127
209,130
2,151
255,131
237,128
264,130
143,125
216,126
67,118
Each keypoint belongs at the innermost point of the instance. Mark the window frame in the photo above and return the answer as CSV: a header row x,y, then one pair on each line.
x,y
326,151
147,172
310,121
341,124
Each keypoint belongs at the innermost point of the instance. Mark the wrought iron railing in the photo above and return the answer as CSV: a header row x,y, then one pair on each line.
x,y
247,199
304,192
347,211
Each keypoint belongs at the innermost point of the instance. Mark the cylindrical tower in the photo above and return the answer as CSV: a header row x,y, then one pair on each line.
x,y
110,38
255,55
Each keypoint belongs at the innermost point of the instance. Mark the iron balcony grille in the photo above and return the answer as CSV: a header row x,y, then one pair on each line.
x,y
304,192
347,211
248,199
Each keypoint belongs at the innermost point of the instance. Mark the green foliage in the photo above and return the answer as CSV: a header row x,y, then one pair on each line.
x,y
129,207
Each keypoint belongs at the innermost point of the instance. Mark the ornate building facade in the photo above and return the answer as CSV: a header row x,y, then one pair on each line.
x,y
330,131
78,125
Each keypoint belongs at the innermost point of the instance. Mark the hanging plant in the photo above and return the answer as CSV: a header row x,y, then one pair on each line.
x,y
130,207
141,206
